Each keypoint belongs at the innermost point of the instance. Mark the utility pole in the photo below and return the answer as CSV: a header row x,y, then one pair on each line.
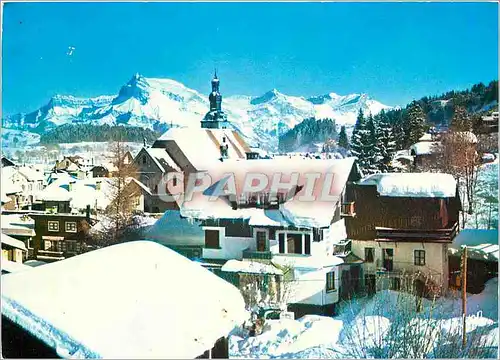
x,y
464,293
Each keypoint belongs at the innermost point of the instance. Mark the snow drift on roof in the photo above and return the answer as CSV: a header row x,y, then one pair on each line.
x,y
124,301
12,266
413,184
18,244
424,147
250,267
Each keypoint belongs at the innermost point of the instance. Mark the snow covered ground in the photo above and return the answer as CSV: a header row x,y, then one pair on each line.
x,y
485,214
319,337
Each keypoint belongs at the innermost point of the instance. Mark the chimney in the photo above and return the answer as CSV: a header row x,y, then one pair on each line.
x,y
70,185
98,185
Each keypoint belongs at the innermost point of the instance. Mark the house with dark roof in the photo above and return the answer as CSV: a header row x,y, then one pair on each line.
x,y
402,228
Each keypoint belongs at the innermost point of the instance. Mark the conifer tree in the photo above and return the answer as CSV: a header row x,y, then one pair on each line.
x,y
343,141
362,145
386,143
414,124
461,120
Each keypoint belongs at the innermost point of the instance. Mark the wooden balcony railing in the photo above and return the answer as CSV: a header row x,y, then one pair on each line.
x,y
347,209
435,235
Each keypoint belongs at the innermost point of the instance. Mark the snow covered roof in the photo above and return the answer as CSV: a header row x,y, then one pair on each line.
x,y
482,244
124,301
307,262
302,213
16,224
8,240
12,266
250,267
191,140
81,192
31,173
426,137
162,159
423,185
172,229
424,147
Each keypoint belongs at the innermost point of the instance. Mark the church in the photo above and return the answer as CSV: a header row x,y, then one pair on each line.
x,y
189,150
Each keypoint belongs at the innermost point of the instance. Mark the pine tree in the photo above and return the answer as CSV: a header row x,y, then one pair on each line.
x,y
414,124
362,145
372,151
461,120
343,140
386,143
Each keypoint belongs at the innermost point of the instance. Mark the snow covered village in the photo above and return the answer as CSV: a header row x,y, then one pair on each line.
x,y
167,222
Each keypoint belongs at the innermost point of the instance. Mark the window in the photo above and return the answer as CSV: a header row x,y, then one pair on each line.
x,y
419,256
144,160
53,225
261,240
330,281
70,226
369,254
212,239
174,181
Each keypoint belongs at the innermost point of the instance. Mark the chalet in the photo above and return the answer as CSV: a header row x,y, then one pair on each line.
x,y
424,153
276,229
489,123
60,235
22,185
106,297
71,164
99,171
403,226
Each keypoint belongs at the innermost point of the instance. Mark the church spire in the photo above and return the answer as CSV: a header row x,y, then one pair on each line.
x,y
215,118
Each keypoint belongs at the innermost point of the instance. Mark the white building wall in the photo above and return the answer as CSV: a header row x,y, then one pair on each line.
x,y
436,257
230,247
309,287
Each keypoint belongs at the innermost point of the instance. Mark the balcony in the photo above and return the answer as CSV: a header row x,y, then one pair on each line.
x,y
347,209
432,235
257,255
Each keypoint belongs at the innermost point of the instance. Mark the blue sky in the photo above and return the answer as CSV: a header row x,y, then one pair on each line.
x,y
393,51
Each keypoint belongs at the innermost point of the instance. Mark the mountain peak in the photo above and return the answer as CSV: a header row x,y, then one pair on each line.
x,y
268,96
136,87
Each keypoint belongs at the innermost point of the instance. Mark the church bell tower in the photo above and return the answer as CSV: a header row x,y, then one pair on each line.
x,y
215,117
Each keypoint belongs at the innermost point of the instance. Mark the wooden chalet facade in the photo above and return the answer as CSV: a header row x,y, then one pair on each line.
x,y
400,234
60,235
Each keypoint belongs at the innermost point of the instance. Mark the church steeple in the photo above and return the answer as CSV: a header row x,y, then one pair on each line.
x,y
215,97
215,118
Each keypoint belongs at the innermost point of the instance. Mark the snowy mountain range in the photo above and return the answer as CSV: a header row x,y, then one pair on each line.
x,y
161,103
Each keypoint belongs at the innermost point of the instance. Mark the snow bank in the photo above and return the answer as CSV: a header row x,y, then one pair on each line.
x,y
314,336
413,184
125,301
